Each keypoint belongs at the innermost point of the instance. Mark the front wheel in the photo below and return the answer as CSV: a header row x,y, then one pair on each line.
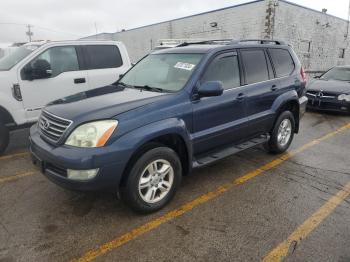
x,y
282,133
153,180
4,137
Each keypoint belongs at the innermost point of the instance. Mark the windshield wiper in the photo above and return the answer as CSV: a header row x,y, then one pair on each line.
x,y
149,88
125,85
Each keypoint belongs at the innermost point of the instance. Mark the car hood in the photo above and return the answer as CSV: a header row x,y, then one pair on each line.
x,y
101,103
330,86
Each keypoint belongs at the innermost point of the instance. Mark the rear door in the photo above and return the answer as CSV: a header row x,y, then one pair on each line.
x,y
220,120
104,64
66,79
261,89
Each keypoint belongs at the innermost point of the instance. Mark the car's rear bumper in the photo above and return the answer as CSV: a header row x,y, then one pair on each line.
x,y
53,162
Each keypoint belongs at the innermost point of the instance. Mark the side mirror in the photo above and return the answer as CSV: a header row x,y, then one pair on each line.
x,y
211,88
40,69
121,75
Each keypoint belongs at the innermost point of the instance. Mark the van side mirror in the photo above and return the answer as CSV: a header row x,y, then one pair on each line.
x,y
40,69
211,88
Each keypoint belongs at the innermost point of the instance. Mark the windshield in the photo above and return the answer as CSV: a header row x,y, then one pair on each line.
x,y
337,73
165,72
9,61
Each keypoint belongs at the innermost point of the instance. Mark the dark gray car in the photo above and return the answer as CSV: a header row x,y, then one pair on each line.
x,y
331,91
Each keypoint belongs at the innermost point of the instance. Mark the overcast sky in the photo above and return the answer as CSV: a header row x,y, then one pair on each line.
x,y
57,19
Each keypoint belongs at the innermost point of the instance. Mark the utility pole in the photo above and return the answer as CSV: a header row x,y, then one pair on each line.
x,y
96,30
29,33
347,28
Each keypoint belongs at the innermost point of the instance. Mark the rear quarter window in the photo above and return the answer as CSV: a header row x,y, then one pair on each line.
x,y
282,61
103,56
255,66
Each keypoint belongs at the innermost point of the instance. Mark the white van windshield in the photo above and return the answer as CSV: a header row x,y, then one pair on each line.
x,y
9,61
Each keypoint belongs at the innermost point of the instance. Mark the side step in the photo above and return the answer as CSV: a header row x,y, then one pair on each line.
x,y
208,158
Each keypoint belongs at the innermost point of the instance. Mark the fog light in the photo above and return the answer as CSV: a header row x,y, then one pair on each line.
x,y
81,174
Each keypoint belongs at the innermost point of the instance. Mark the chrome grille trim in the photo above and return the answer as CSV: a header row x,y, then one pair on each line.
x,y
325,94
56,126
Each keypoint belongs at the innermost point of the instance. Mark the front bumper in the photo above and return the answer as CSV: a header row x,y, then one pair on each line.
x,y
53,162
325,104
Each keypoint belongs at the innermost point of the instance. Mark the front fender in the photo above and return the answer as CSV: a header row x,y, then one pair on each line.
x,y
133,140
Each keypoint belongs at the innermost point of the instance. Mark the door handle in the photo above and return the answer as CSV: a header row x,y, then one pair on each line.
x,y
274,88
241,96
79,80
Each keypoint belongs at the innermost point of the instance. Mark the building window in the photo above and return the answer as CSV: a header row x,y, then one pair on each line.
x,y
342,53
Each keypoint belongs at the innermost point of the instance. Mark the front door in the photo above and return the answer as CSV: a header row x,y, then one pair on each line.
x,y
221,120
64,78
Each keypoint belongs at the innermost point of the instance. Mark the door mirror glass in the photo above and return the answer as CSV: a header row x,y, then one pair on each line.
x,y
211,88
41,69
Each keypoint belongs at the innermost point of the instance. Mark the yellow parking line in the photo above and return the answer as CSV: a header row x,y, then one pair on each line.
x,y
308,226
14,155
15,177
139,231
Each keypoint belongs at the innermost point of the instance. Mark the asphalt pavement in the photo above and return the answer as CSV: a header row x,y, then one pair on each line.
x,y
247,207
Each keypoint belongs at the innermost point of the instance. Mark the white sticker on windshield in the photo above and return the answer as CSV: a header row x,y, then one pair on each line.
x,y
184,66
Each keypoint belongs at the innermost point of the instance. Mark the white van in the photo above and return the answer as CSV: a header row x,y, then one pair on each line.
x,y
40,72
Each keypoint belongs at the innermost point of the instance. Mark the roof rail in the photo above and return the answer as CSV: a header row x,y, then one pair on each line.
x,y
206,42
260,41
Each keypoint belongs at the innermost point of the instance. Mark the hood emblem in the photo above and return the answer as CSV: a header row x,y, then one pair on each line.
x,y
320,94
45,124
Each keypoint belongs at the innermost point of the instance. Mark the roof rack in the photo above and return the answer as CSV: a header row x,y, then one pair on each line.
x,y
168,43
206,42
260,41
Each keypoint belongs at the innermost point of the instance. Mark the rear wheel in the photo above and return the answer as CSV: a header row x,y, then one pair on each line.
x,y
4,137
153,180
282,133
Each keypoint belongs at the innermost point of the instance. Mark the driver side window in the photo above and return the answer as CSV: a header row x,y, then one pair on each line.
x,y
58,60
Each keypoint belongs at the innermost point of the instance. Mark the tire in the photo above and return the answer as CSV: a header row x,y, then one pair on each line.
x,y
159,187
276,144
4,137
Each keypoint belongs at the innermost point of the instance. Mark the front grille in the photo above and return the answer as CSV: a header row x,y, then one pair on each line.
x,y
53,127
321,94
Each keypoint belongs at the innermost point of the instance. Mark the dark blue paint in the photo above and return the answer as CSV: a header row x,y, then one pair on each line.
x,y
202,123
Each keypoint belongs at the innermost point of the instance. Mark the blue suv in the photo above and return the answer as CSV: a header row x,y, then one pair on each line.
x,y
177,109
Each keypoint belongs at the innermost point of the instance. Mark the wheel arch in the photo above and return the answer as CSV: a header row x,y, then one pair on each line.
x,y
288,101
291,105
174,137
6,116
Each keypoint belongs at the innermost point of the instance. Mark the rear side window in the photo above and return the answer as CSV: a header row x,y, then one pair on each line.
x,y
282,61
103,56
255,66
224,69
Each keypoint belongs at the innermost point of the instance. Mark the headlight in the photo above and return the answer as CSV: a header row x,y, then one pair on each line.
x,y
344,97
94,134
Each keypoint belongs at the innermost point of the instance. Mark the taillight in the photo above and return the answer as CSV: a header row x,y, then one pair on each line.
x,y
302,74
